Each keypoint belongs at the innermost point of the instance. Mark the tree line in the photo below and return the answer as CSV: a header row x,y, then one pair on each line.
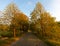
x,y
40,23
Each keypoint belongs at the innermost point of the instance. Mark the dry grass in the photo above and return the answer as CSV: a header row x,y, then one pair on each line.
x,y
8,41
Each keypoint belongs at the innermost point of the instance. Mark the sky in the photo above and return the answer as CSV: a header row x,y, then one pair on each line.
x,y
27,6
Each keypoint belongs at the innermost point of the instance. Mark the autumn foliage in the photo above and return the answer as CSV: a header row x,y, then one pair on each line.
x,y
40,23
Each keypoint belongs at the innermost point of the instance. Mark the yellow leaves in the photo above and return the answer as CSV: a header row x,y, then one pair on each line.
x,y
4,27
21,17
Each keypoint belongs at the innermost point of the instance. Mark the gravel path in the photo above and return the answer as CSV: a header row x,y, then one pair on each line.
x,y
29,39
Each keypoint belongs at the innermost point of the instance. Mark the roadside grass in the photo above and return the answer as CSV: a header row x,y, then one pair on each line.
x,y
54,41
7,42
51,42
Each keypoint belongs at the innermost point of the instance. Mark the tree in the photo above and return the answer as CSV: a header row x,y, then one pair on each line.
x,y
47,23
9,12
20,21
42,23
35,15
37,11
15,18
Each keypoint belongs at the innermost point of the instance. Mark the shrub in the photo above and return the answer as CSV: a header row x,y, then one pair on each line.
x,y
6,34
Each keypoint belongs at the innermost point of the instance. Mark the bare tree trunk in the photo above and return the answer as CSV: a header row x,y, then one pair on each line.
x,y
14,33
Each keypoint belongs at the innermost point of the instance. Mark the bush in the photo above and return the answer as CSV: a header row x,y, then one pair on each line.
x,y
6,34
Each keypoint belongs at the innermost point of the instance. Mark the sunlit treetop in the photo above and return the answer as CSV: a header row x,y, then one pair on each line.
x,y
39,8
12,7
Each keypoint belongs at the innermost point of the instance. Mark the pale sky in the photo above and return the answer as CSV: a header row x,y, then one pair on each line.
x,y
27,6
55,9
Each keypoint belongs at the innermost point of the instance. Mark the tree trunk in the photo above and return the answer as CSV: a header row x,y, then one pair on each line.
x,y
14,33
